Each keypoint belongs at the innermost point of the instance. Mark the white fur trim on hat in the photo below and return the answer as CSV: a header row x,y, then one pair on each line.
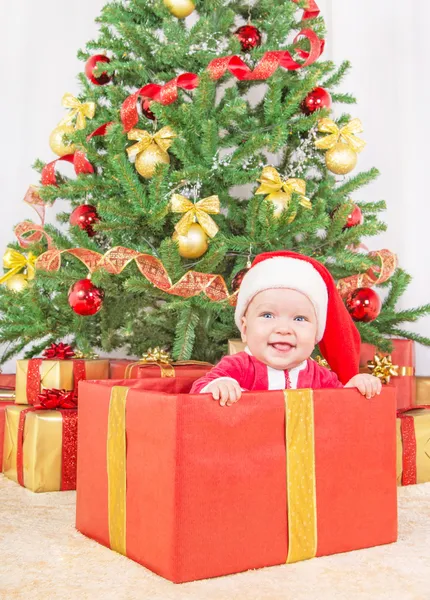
x,y
284,272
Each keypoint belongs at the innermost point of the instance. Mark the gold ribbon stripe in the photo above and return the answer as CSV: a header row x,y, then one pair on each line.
x,y
301,484
116,469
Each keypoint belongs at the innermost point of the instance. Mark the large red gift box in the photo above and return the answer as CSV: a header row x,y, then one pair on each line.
x,y
193,490
403,355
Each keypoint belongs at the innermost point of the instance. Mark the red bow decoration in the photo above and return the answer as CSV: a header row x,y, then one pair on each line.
x,y
53,399
79,160
59,352
164,94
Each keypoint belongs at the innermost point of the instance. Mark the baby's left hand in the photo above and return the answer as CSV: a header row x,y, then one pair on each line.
x,y
367,384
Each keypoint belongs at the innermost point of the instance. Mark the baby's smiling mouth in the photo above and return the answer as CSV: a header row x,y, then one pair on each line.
x,y
281,346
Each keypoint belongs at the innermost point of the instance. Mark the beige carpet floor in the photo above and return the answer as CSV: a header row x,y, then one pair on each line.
x,y
42,556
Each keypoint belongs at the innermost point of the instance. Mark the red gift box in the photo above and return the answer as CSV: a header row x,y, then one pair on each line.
x,y
7,381
193,490
2,421
130,369
403,356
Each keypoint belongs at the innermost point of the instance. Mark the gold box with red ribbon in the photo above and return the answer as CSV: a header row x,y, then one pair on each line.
x,y
194,490
37,374
413,446
40,448
398,366
157,363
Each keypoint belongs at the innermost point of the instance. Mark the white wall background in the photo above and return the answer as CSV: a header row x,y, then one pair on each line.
x,y
387,42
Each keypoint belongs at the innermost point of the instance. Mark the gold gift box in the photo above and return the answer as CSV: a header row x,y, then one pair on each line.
x,y
56,374
235,346
42,448
422,436
423,390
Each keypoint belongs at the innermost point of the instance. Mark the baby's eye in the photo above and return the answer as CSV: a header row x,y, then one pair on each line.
x,y
267,315
300,318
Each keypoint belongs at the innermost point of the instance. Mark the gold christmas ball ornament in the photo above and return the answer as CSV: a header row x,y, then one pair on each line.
x,y
57,143
17,283
147,160
341,159
180,8
194,243
280,201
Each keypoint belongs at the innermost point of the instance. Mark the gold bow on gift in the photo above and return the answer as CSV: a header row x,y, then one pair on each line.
x,y
163,138
86,355
196,212
79,110
156,355
344,134
16,262
272,182
382,367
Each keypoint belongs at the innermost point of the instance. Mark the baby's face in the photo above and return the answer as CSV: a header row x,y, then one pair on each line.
x,y
280,328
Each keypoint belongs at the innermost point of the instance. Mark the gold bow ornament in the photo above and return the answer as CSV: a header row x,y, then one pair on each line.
x,y
150,150
21,269
280,191
382,367
79,111
342,144
198,212
154,356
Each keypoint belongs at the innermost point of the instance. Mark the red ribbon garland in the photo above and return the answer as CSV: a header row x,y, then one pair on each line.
x,y
409,444
164,94
34,378
311,10
69,448
59,351
79,161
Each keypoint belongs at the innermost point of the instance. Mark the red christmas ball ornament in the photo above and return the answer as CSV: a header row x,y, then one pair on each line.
x,y
238,278
146,109
355,217
85,298
249,37
363,305
90,66
84,217
317,99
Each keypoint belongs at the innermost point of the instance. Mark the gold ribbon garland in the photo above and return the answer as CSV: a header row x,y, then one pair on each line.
x,y
272,182
16,261
196,212
163,139
346,134
81,111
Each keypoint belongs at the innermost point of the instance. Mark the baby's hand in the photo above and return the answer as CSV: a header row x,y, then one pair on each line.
x,y
367,384
227,391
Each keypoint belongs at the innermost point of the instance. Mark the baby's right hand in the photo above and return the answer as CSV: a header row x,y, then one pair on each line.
x,y
227,391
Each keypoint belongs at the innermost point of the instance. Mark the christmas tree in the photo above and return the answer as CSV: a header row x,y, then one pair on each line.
x,y
202,136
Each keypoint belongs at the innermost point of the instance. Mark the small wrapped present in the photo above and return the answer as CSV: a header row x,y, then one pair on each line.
x,y
194,490
57,370
2,421
397,369
157,363
7,381
422,390
40,446
235,346
413,446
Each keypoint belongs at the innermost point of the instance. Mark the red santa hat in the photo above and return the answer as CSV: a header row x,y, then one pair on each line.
x,y
337,335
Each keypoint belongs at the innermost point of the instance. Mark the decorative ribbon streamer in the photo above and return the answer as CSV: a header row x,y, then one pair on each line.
x,y
26,227
164,94
69,448
59,351
409,445
116,469
374,276
311,10
163,139
79,111
301,479
16,262
100,131
79,161
272,182
270,61
196,212
344,134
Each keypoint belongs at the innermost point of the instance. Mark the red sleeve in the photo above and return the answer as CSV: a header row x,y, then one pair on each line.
x,y
328,379
229,366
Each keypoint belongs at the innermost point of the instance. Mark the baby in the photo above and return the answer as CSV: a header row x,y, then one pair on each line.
x,y
288,303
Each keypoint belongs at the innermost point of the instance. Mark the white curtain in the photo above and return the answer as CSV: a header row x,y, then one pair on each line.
x,y
387,42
